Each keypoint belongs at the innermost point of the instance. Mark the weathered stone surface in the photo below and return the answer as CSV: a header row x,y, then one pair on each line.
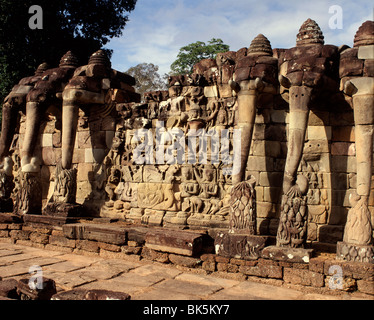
x,y
240,246
303,277
353,252
8,288
45,221
299,255
101,233
365,286
106,295
64,210
28,292
9,218
185,243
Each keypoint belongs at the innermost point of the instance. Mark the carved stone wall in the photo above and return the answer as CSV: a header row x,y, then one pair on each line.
x,y
168,161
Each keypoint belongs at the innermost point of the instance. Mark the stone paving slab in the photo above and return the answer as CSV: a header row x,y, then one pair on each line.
x,y
144,279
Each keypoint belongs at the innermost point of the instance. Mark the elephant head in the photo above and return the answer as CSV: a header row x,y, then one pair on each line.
x,y
307,70
13,103
359,84
45,93
93,84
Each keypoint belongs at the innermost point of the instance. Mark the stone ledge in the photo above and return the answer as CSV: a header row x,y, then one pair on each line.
x,y
319,272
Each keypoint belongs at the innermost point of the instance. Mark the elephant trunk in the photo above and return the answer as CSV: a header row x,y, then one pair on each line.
x,y
247,111
74,98
34,111
8,127
364,129
69,129
247,92
298,123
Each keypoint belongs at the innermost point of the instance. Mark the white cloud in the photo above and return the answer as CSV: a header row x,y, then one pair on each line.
x,y
158,29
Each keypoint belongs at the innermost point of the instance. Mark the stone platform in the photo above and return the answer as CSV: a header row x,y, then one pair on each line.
x,y
110,239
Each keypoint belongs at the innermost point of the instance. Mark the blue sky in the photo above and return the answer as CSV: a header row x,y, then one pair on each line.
x,y
159,28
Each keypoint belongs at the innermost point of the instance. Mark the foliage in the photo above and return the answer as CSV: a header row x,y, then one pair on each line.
x,y
80,26
191,54
147,78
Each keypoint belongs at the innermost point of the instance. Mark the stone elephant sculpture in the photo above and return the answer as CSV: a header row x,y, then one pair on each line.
x,y
255,74
93,84
358,83
45,93
308,71
14,103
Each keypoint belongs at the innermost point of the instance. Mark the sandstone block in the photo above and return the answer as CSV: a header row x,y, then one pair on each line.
x,y
51,156
319,133
61,241
366,52
47,140
299,255
260,163
303,277
101,233
343,134
365,286
239,246
86,245
209,266
318,118
343,149
19,234
94,155
185,243
350,67
330,233
369,68
39,238
211,92
189,262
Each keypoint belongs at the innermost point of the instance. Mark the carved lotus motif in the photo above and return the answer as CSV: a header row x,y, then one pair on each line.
x,y
309,33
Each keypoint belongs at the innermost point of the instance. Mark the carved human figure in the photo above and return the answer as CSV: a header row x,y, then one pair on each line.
x,y
358,229
113,181
15,102
308,70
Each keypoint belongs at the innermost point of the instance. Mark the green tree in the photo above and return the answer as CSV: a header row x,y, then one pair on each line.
x,y
191,54
147,78
80,26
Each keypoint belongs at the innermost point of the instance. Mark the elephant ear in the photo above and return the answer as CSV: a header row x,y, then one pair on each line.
x,y
284,81
349,88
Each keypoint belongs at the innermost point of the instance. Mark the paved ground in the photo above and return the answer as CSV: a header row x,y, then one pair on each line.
x,y
143,280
